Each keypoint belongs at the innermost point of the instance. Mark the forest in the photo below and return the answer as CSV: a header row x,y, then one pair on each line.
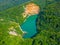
x,y
47,23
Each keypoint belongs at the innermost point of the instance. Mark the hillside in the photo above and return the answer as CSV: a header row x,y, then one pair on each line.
x,y
47,23
6,4
10,30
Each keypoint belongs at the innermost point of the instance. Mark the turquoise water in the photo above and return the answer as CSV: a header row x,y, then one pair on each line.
x,y
29,26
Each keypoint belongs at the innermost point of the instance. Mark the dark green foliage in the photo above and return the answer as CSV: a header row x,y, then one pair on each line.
x,y
48,25
49,18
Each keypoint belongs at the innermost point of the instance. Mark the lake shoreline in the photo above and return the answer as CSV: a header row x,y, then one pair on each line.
x,y
34,17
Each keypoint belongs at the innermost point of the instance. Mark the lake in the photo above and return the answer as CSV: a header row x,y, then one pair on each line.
x,y
29,26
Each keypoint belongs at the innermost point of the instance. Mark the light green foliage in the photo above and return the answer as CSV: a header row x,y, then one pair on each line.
x,y
11,18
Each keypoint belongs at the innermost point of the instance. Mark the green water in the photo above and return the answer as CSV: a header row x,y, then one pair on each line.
x,y
29,26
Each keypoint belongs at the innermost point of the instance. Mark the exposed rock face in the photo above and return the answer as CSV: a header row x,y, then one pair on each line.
x,y
31,9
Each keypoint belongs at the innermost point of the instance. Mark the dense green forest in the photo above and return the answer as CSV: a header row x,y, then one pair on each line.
x,y
47,22
48,25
